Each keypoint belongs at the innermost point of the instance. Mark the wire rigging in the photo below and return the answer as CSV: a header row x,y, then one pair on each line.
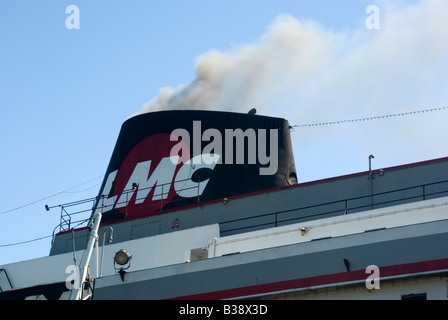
x,y
293,126
54,195
23,242
368,118
48,197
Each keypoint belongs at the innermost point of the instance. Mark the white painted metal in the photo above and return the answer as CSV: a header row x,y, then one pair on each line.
x,y
390,217
177,247
149,252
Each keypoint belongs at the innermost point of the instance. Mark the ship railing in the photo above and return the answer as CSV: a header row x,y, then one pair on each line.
x,y
335,208
75,214
159,194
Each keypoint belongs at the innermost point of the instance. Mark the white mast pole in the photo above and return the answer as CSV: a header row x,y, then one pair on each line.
x,y
93,237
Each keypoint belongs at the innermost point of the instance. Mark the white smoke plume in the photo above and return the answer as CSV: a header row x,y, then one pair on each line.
x,y
306,73
289,51
300,69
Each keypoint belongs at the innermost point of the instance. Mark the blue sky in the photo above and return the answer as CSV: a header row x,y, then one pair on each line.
x,y
65,93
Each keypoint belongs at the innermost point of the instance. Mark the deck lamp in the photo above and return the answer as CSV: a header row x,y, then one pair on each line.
x,y
122,257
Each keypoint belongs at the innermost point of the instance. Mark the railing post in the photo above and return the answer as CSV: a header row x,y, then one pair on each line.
x,y
161,199
198,200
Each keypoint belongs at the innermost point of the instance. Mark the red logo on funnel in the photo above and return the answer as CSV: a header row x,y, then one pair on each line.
x,y
146,175
157,170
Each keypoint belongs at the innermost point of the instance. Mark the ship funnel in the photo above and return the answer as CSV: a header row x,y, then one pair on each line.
x,y
169,159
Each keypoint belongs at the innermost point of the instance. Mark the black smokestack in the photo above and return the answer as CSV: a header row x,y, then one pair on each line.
x,y
169,159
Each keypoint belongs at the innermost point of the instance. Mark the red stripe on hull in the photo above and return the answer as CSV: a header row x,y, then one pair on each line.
x,y
337,278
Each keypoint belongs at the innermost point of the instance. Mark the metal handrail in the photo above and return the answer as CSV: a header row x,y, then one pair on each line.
x,y
66,221
66,218
7,278
344,208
